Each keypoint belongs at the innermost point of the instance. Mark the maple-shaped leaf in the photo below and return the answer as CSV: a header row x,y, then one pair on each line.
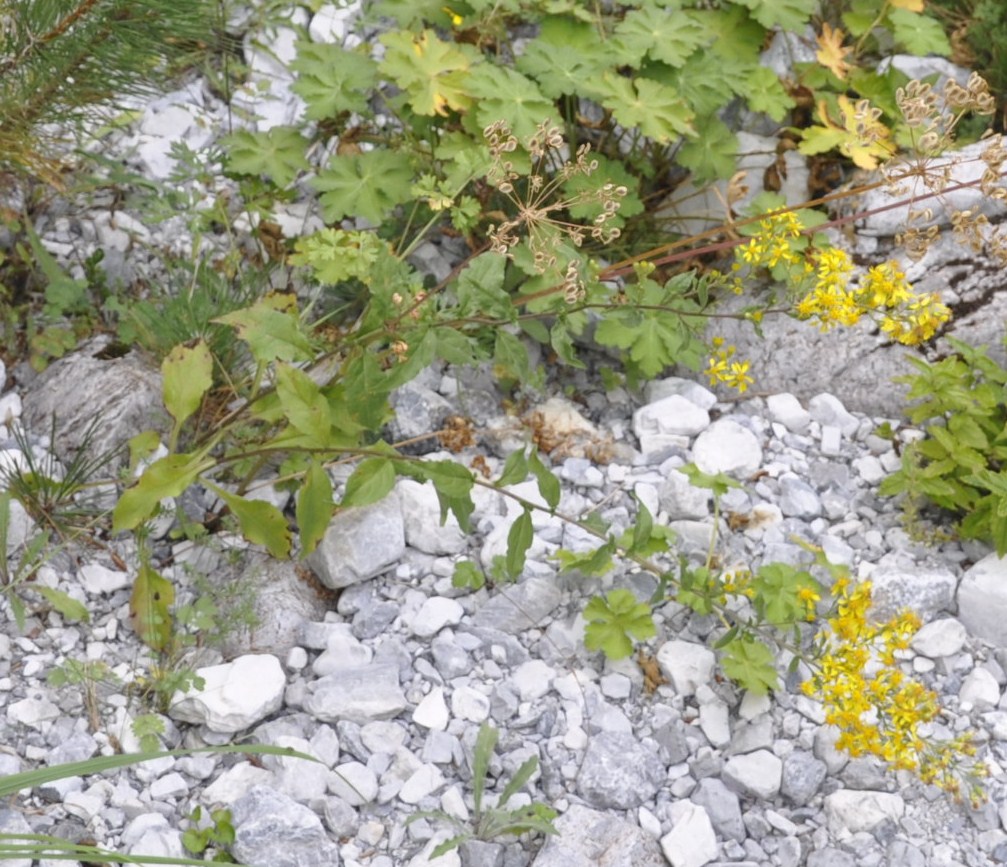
x,y
653,32
790,15
277,153
712,154
560,70
507,95
653,108
365,185
331,79
918,34
764,92
831,52
432,72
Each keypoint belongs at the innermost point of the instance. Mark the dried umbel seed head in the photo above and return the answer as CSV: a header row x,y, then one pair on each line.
x,y
917,102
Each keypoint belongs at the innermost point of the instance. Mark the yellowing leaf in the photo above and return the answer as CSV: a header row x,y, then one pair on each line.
x,y
150,608
831,51
861,136
430,70
910,5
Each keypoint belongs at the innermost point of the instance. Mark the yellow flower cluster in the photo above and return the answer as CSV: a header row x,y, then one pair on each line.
x,y
906,317
721,367
821,280
774,243
877,709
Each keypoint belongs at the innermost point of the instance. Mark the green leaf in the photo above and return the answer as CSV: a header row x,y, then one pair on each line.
x,y
304,405
480,288
337,256
150,608
272,330
519,540
261,522
521,776
467,574
595,562
751,664
713,154
653,108
364,185
68,607
642,527
918,34
332,80
560,70
433,73
612,620
653,339
668,37
510,357
454,487
548,484
515,469
277,153
765,93
504,94
187,372
486,741
371,481
315,507
790,15
167,477
718,483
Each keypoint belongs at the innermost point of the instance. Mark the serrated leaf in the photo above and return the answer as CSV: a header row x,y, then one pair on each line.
x,y
273,333
277,153
304,405
480,288
433,73
467,574
831,51
332,80
336,255
918,34
371,481
668,38
548,484
613,619
187,373
261,523
641,103
750,664
559,70
505,94
789,15
765,93
588,563
315,507
642,526
364,185
150,608
165,478
519,540
713,154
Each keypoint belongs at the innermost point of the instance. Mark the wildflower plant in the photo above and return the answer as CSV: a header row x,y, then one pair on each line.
x,y
878,709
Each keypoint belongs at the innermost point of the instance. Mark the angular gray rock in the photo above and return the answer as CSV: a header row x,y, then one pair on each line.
x,y
727,447
359,694
519,607
803,776
125,391
982,600
926,592
273,830
754,775
360,543
588,838
691,842
722,807
619,772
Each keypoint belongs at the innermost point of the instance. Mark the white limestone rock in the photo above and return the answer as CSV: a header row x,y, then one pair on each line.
x,y
237,694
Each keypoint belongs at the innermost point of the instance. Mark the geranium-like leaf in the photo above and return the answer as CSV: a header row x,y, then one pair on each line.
x,y
751,664
364,185
507,95
277,153
331,79
433,73
654,108
669,38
